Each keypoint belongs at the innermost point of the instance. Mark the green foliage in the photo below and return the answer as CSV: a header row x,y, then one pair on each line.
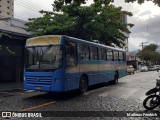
x,y
4,34
99,21
156,2
149,54
5,49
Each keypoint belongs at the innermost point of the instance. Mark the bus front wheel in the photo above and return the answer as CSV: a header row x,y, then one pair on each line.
x,y
83,85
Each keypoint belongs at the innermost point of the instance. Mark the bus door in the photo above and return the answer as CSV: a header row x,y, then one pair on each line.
x,y
72,68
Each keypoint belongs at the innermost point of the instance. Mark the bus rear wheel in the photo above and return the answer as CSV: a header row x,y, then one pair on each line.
x,y
83,85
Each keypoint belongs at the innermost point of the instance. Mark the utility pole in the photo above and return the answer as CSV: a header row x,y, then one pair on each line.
x,y
142,44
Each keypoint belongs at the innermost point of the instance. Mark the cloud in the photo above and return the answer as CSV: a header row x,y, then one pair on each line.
x,y
145,18
146,23
30,9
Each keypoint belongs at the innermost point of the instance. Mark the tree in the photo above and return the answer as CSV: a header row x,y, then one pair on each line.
x,y
149,54
60,2
5,49
157,2
99,21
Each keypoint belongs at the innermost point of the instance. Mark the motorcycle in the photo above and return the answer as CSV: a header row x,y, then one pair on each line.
x,y
153,99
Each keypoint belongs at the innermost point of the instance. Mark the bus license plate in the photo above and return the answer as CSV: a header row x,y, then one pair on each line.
x,y
37,88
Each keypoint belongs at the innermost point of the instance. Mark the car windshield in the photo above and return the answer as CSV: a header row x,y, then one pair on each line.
x,y
44,58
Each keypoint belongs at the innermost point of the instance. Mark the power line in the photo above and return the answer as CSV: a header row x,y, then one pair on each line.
x,y
27,6
31,6
14,15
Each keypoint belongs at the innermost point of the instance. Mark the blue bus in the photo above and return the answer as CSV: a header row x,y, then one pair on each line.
x,y
57,63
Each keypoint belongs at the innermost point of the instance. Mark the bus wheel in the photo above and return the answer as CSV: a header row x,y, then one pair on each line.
x,y
115,81
83,85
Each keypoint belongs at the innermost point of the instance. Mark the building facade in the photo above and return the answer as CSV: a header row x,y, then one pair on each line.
x,y
6,8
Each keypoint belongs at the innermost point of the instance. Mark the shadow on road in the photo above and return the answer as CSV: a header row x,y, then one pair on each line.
x,y
59,96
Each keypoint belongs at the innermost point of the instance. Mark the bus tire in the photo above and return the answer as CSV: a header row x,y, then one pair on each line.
x,y
83,85
115,81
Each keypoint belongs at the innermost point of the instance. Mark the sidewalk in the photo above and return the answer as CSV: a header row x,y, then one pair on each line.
x,y
11,86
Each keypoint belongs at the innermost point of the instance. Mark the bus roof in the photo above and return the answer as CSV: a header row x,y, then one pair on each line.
x,y
97,44
45,40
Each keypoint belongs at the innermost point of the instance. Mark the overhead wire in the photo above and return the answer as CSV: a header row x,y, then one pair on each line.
x,y
35,6
14,15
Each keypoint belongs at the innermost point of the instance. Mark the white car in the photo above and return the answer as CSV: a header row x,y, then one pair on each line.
x,y
144,69
156,67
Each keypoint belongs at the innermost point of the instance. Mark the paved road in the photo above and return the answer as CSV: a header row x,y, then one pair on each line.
x,y
127,95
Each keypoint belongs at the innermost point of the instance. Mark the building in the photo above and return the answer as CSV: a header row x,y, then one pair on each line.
x,y
124,20
6,8
11,44
13,25
11,65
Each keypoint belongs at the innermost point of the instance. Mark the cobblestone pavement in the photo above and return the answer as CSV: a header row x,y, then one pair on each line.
x,y
127,95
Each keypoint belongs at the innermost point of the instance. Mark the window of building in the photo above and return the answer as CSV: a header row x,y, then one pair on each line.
x,y
7,13
109,55
84,52
94,53
8,7
8,1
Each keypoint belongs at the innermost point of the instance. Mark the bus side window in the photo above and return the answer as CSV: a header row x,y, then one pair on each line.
x,y
121,56
84,52
71,54
103,54
109,55
124,57
94,53
115,56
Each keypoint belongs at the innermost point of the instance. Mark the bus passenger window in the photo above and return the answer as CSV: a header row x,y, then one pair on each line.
x,y
109,55
94,53
71,55
103,53
120,56
84,52
116,56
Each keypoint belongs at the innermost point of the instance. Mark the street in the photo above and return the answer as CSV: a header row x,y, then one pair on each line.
x,y
127,95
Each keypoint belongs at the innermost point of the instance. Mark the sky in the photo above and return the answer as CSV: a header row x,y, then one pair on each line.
x,y
146,18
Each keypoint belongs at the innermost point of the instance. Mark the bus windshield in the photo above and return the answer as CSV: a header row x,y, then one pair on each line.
x,y
44,58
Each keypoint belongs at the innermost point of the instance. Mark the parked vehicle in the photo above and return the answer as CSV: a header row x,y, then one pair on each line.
x,y
153,99
59,63
157,67
130,69
144,69
151,68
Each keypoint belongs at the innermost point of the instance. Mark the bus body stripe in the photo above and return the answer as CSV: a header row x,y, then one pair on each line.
x,y
92,68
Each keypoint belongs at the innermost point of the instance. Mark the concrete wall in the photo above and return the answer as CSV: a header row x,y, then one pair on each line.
x,y
6,8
